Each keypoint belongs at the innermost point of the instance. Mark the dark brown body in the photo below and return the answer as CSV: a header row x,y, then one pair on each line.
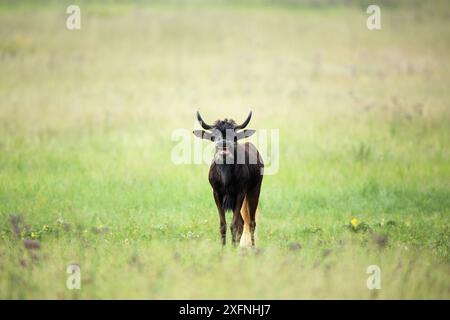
x,y
236,187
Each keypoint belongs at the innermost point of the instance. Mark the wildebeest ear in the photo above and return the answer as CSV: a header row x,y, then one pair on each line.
x,y
202,134
245,133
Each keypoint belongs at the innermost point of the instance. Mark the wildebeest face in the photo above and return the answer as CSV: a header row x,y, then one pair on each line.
x,y
225,139
225,136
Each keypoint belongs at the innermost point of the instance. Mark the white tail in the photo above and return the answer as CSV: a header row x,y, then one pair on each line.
x,y
246,238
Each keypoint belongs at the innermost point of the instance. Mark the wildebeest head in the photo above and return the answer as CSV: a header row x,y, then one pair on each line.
x,y
225,134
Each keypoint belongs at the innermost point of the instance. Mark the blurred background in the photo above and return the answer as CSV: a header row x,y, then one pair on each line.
x,y
86,118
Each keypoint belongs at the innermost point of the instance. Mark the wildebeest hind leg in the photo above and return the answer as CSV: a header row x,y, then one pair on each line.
x,y
246,239
253,198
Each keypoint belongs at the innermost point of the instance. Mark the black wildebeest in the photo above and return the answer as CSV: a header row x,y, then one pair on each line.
x,y
235,175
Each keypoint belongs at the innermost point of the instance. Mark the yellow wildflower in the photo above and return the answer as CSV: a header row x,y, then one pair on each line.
x,y
354,223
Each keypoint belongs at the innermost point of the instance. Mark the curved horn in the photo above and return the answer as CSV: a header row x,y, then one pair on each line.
x,y
245,123
203,123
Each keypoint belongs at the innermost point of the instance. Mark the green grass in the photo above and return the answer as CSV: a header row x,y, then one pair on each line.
x,y
86,119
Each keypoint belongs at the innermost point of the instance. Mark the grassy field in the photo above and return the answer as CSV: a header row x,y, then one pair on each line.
x,y
86,177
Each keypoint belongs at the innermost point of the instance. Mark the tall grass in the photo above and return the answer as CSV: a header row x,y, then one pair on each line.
x,y
86,119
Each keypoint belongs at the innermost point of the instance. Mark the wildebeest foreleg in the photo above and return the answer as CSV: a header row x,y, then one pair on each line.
x,y
223,222
237,224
